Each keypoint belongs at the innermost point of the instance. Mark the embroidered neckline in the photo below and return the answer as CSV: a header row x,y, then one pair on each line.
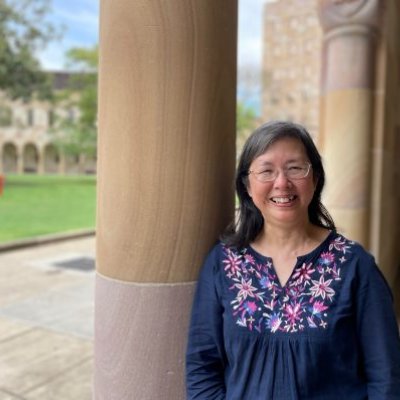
x,y
260,303
310,256
306,256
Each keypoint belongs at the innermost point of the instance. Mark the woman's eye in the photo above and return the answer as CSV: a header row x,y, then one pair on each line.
x,y
294,168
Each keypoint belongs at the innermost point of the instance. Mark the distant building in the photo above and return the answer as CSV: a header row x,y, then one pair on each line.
x,y
291,62
26,144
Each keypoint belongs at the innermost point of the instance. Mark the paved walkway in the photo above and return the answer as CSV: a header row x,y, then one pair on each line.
x,y
46,321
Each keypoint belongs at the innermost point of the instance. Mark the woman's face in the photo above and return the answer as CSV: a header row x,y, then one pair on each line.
x,y
282,201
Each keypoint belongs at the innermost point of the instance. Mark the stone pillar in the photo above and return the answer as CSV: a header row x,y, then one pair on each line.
x,y
81,163
347,87
62,163
41,160
166,161
20,159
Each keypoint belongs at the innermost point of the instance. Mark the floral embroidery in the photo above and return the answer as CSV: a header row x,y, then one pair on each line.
x,y
261,303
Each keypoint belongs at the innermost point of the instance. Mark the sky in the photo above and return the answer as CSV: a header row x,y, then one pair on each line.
x,y
79,21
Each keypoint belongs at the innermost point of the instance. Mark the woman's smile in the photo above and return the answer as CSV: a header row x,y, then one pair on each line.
x,y
285,200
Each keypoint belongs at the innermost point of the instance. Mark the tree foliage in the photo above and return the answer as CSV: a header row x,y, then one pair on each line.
x,y
79,135
23,30
246,122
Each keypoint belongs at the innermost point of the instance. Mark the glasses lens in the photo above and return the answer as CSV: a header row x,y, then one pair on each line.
x,y
266,176
292,172
298,171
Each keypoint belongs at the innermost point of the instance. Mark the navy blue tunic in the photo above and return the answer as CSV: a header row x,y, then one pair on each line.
x,y
330,333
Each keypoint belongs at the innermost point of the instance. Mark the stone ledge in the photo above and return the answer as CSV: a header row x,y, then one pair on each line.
x,y
45,239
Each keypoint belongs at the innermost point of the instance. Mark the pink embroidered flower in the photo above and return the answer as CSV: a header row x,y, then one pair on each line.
x,y
339,244
249,258
250,307
303,274
293,312
326,258
318,307
245,289
321,288
232,262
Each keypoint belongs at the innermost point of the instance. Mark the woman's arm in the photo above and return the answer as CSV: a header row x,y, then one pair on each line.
x,y
205,360
378,333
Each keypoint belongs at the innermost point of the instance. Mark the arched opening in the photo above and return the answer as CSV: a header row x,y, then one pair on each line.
x,y
10,158
51,159
72,164
30,158
90,164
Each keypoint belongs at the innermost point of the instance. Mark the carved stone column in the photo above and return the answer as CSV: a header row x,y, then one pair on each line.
x,y
350,31
166,160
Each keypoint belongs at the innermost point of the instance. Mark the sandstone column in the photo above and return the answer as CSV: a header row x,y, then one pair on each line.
x,y
20,159
350,31
81,163
61,163
40,160
166,160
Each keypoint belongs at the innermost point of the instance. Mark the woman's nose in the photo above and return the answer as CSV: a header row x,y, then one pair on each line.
x,y
281,180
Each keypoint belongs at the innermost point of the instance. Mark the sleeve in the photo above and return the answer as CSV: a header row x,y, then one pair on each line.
x,y
378,333
205,358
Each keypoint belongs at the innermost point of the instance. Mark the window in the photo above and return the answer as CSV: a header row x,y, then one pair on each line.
x,y
5,116
50,118
30,117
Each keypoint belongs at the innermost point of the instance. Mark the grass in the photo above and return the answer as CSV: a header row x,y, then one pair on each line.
x,y
34,205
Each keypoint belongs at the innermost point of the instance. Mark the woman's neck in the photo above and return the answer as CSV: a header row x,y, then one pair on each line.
x,y
292,240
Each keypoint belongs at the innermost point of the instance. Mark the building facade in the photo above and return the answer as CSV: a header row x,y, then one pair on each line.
x,y
27,139
292,39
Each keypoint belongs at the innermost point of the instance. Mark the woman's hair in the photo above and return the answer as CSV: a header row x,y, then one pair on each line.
x,y
249,221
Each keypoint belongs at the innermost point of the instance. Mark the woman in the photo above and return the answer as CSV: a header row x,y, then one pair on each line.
x,y
287,308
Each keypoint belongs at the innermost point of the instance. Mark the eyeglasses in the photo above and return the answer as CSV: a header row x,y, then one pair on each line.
x,y
293,171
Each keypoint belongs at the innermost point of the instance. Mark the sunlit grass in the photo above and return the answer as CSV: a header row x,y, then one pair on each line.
x,y
33,205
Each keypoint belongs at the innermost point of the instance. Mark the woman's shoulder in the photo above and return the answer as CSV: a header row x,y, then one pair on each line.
x,y
350,249
222,254
220,250
217,259
356,258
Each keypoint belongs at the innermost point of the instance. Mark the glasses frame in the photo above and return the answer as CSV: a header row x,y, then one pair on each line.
x,y
256,174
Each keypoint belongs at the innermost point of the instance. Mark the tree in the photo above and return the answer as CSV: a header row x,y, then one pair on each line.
x,y
246,121
75,136
23,30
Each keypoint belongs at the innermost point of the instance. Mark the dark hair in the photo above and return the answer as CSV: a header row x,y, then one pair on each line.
x,y
250,222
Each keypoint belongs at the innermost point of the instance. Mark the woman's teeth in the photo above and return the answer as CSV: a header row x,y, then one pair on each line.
x,y
283,200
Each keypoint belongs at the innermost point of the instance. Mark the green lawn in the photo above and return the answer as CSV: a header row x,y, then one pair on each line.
x,y
34,205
